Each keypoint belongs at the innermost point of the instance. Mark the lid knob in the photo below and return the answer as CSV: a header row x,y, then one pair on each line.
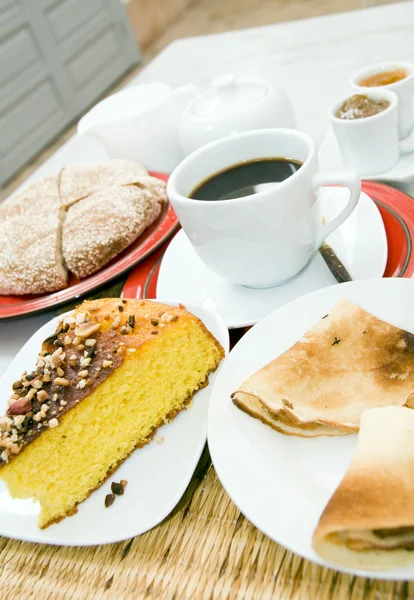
x,y
225,80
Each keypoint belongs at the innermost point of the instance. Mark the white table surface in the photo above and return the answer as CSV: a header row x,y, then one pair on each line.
x,y
311,59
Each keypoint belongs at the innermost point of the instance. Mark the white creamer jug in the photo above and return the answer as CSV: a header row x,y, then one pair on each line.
x,y
140,123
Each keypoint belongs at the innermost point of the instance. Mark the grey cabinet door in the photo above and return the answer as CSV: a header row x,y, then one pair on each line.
x,y
56,58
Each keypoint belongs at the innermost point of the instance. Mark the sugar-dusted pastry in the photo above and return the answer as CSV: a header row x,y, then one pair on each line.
x,y
369,521
41,197
111,374
30,254
348,362
101,226
83,179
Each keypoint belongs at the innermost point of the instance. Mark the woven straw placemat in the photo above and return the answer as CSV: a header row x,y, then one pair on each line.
x,y
204,550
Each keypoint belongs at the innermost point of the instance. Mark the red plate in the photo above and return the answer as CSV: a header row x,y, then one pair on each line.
x,y
397,211
155,236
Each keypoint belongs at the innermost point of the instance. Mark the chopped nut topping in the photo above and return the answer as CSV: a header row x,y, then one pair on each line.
x,y
73,358
14,449
116,323
107,364
30,394
87,329
17,420
36,383
81,384
159,439
79,319
67,340
109,500
154,332
89,381
46,378
44,408
90,342
69,320
181,305
40,363
61,381
124,483
132,349
76,341
60,372
63,402
53,423
85,362
17,385
124,329
54,398
166,318
42,395
131,321
5,423
83,373
154,321
37,417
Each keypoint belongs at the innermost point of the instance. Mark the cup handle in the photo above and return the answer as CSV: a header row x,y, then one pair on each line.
x,y
406,146
353,182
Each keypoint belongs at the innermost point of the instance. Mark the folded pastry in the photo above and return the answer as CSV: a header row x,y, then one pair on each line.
x,y
102,225
80,180
348,362
369,521
112,373
30,254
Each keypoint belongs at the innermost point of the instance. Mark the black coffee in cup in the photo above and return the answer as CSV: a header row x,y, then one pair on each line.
x,y
245,179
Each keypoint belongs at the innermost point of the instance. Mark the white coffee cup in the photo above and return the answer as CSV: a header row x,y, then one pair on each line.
x,y
370,145
267,238
403,88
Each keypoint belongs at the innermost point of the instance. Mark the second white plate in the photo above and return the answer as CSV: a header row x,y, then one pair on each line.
x,y
282,483
157,474
360,243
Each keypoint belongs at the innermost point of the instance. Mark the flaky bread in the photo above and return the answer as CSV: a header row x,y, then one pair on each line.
x,y
348,362
101,226
30,256
369,521
80,180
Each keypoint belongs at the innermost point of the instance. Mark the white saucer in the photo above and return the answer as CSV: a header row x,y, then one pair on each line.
x,y
360,243
329,158
281,483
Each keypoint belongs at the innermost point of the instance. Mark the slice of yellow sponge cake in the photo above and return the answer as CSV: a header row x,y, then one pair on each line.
x,y
109,376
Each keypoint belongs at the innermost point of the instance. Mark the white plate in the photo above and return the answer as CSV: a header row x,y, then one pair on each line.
x,y
157,474
360,243
329,158
282,483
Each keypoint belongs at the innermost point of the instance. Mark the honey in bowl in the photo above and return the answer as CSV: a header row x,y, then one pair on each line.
x,y
360,106
383,78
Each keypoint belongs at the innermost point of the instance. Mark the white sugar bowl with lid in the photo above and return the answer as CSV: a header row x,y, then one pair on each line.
x,y
233,104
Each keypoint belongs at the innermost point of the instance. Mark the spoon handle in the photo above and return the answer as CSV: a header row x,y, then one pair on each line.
x,y
336,267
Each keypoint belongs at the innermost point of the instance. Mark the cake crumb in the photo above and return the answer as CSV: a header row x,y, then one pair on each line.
x,y
117,488
109,500
159,439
